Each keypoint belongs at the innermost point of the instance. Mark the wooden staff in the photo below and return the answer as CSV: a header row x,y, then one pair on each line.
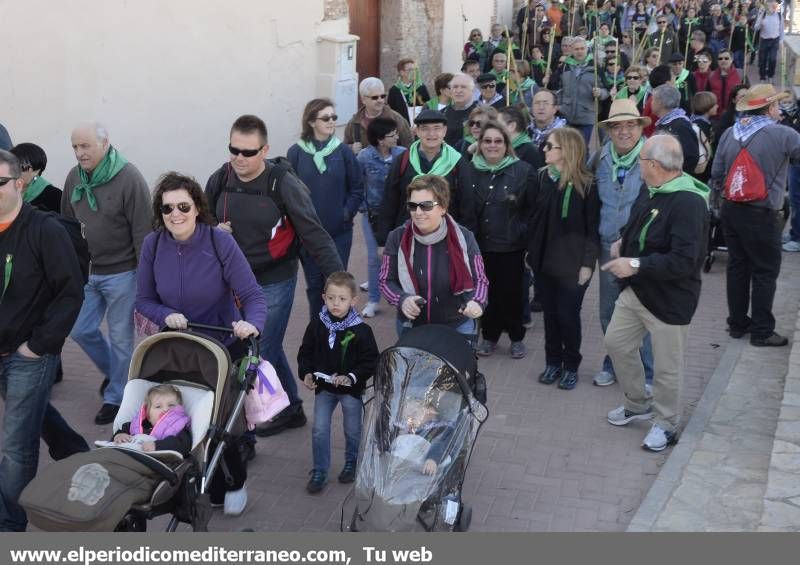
x,y
686,51
733,24
524,37
744,66
550,51
509,60
640,49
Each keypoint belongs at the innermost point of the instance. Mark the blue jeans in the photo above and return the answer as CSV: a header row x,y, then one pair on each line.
x,y
717,45
609,291
315,279
25,387
794,201
280,298
767,57
373,260
112,296
324,404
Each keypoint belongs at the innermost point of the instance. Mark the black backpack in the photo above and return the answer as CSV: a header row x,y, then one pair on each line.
x,y
77,236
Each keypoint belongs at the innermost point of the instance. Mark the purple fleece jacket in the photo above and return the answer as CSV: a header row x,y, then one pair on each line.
x,y
189,278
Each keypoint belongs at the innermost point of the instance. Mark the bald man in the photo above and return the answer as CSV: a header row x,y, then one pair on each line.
x,y
657,262
111,199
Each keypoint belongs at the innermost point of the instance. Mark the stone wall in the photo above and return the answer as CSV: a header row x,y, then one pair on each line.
x,y
411,28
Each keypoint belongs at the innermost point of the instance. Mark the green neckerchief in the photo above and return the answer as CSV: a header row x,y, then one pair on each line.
x,y
448,159
541,63
572,61
555,175
681,78
433,103
107,169
645,227
502,76
480,48
526,84
685,183
480,163
410,91
35,189
469,138
626,161
503,45
319,155
521,139
612,80
640,94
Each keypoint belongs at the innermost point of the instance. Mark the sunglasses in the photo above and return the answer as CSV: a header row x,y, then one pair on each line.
x,y
426,206
5,180
245,152
183,207
475,123
488,85
549,146
662,23
723,58
376,97
327,119
633,77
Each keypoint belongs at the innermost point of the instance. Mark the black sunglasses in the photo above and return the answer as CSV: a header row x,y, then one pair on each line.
x,y
633,77
474,123
549,146
4,180
326,119
183,207
377,97
488,85
723,58
245,152
426,206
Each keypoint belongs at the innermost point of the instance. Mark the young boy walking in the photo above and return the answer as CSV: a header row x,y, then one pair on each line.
x,y
337,357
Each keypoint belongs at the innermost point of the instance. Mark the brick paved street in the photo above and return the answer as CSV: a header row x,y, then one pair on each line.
x,y
545,461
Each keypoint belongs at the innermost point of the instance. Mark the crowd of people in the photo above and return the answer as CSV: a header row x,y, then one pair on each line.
x,y
600,136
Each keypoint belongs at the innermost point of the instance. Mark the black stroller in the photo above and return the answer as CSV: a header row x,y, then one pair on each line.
x,y
116,488
418,435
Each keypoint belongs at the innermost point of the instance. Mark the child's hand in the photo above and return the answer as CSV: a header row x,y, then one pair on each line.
x,y
308,380
123,438
429,468
149,446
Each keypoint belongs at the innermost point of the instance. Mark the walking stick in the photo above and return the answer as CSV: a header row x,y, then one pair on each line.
x,y
744,66
686,50
509,59
550,51
733,23
525,26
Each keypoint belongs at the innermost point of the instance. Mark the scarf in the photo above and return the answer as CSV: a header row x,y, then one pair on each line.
x,y
745,127
671,116
442,166
692,21
555,176
679,82
352,319
526,84
319,155
479,48
626,161
521,139
480,163
410,91
541,63
170,423
573,62
684,182
613,80
107,169
458,264
501,76
469,138
539,135
433,103
38,184
640,94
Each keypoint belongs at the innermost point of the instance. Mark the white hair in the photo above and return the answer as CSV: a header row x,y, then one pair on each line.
x,y
666,150
369,84
463,75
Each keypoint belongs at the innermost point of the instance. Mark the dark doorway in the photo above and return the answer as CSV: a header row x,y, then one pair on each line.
x,y
365,23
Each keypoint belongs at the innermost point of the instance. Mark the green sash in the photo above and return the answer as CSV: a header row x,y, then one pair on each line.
x,y
35,189
319,155
107,169
448,158
480,163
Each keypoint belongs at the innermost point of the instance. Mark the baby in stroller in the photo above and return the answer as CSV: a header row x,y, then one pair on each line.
x,y
161,423
422,420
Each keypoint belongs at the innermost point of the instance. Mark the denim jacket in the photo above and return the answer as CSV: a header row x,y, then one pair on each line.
x,y
615,199
375,168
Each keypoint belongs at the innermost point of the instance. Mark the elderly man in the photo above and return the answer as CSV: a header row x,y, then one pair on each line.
x,y
672,119
619,180
751,167
373,99
658,262
769,24
578,91
718,29
429,155
664,38
545,117
461,89
41,297
111,199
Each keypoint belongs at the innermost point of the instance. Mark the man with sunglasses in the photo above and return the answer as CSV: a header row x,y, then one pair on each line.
x,y
489,95
723,80
664,39
373,100
269,212
40,297
110,197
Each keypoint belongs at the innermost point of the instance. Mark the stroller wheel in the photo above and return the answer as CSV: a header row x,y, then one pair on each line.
x,y
707,263
464,520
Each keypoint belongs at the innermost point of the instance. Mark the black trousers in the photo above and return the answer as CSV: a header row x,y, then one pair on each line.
x,y
754,261
561,306
767,57
506,298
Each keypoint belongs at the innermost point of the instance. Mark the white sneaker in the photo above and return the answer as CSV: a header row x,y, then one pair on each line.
x,y
235,501
791,246
621,417
604,378
370,310
364,286
657,439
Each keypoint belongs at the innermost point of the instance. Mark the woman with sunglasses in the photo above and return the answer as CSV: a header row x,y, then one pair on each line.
x,y
563,249
703,71
505,190
330,171
432,269
476,48
479,116
636,87
190,271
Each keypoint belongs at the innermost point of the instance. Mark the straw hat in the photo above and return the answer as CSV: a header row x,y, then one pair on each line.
x,y
623,110
759,96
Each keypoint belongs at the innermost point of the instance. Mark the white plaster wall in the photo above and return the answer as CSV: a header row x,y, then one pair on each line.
x,y
478,13
167,77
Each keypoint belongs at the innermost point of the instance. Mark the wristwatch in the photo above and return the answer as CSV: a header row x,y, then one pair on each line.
x,y
634,263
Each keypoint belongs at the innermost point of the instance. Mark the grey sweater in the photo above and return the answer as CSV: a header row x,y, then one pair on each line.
x,y
123,218
771,147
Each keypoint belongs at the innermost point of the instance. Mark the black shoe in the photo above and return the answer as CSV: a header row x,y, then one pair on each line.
x,y
348,474
291,417
773,340
106,414
568,380
317,481
738,334
247,451
550,375
536,306
103,386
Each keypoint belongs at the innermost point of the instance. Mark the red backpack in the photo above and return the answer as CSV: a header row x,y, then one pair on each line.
x,y
745,181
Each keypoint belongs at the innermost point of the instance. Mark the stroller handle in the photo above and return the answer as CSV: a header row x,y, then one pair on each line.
x,y
222,329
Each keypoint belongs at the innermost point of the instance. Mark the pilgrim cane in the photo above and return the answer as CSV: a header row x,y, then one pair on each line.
x,y
549,69
744,67
526,27
593,140
509,56
686,50
733,24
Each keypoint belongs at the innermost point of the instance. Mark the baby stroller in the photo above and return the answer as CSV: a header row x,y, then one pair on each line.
x,y
428,407
116,488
